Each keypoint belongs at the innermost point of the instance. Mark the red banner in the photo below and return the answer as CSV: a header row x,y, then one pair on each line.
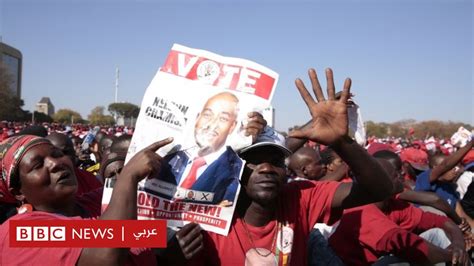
x,y
233,77
88,233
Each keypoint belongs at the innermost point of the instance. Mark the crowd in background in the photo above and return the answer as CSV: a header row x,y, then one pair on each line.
x,y
319,198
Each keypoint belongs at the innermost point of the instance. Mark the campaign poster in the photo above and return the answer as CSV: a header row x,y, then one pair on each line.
x,y
201,99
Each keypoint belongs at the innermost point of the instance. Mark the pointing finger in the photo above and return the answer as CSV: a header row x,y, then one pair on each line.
x,y
155,146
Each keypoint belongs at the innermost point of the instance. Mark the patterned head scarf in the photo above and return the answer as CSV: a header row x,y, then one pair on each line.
x,y
12,151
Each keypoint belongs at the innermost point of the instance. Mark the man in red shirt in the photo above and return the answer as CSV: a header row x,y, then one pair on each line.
x,y
390,227
273,219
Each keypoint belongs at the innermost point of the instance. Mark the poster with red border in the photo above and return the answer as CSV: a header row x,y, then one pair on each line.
x,y
202,100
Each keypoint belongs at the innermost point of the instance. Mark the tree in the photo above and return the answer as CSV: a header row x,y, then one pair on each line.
x,y
126,110
10,104
376,129
97,117
40,117
67,116
423,129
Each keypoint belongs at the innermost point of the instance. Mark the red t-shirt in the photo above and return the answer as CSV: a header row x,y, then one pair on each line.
x,y
302,204
365,233
86,181
90,202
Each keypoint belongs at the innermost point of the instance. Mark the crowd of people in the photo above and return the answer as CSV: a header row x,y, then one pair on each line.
x,y
318,198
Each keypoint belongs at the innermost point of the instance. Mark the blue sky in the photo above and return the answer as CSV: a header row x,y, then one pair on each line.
x,y
407,59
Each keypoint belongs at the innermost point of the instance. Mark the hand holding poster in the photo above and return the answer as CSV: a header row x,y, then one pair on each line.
x,y
201,100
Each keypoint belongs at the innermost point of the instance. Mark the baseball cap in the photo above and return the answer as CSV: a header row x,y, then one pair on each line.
x,y
269,137
415,157
469,157
375,147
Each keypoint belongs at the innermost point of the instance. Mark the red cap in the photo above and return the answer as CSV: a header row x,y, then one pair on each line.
x,y
420,144
415,157
469,157
375,147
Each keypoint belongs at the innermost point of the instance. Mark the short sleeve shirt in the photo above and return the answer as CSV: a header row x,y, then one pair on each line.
x,y
446,191
302,204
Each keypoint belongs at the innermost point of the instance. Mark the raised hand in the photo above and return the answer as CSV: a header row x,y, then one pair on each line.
x,y
329,117
256,124
146,162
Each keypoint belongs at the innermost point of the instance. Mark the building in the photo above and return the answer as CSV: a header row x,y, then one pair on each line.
x,y
12,59
45,106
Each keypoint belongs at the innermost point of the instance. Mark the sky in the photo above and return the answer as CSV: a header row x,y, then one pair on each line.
x,y
408,59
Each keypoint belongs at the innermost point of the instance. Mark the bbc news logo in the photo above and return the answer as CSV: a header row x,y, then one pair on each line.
x,y
40,233
88,233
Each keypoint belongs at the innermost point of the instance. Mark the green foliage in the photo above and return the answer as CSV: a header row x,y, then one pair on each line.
x,y
375,129
126,110
438,129
97,117
423,129
41,118
67,116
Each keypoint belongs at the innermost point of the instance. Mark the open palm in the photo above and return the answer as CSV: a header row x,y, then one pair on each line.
x,y
329,121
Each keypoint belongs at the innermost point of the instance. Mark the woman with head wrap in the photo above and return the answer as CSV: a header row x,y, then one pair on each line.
x,y
36,173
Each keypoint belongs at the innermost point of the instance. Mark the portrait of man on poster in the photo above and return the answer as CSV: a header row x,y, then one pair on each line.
x,y
210,165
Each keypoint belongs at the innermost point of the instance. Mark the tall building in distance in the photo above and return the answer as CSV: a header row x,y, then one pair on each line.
x,y
45,106
12,59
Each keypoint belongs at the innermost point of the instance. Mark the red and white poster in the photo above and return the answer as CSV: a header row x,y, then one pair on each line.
x,y
201,99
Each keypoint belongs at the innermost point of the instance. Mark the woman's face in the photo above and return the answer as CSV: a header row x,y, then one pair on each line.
x,y
47,177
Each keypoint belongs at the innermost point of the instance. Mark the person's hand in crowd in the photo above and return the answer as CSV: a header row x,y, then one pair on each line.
x,y
225,203
255,125
452,175
329,117
469,240
190,240
146,162
464,226
459,254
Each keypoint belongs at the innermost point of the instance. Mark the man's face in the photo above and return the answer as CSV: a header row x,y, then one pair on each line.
x,y
265,175
313,168
216,120
396,174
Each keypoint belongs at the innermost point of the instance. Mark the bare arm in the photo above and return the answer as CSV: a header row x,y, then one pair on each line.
x,y
293,144
460,211
457,247
430,199
329,126
372,183
123,204
450,161
437,254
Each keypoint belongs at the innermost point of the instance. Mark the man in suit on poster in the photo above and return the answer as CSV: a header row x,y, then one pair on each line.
x,y
211,166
